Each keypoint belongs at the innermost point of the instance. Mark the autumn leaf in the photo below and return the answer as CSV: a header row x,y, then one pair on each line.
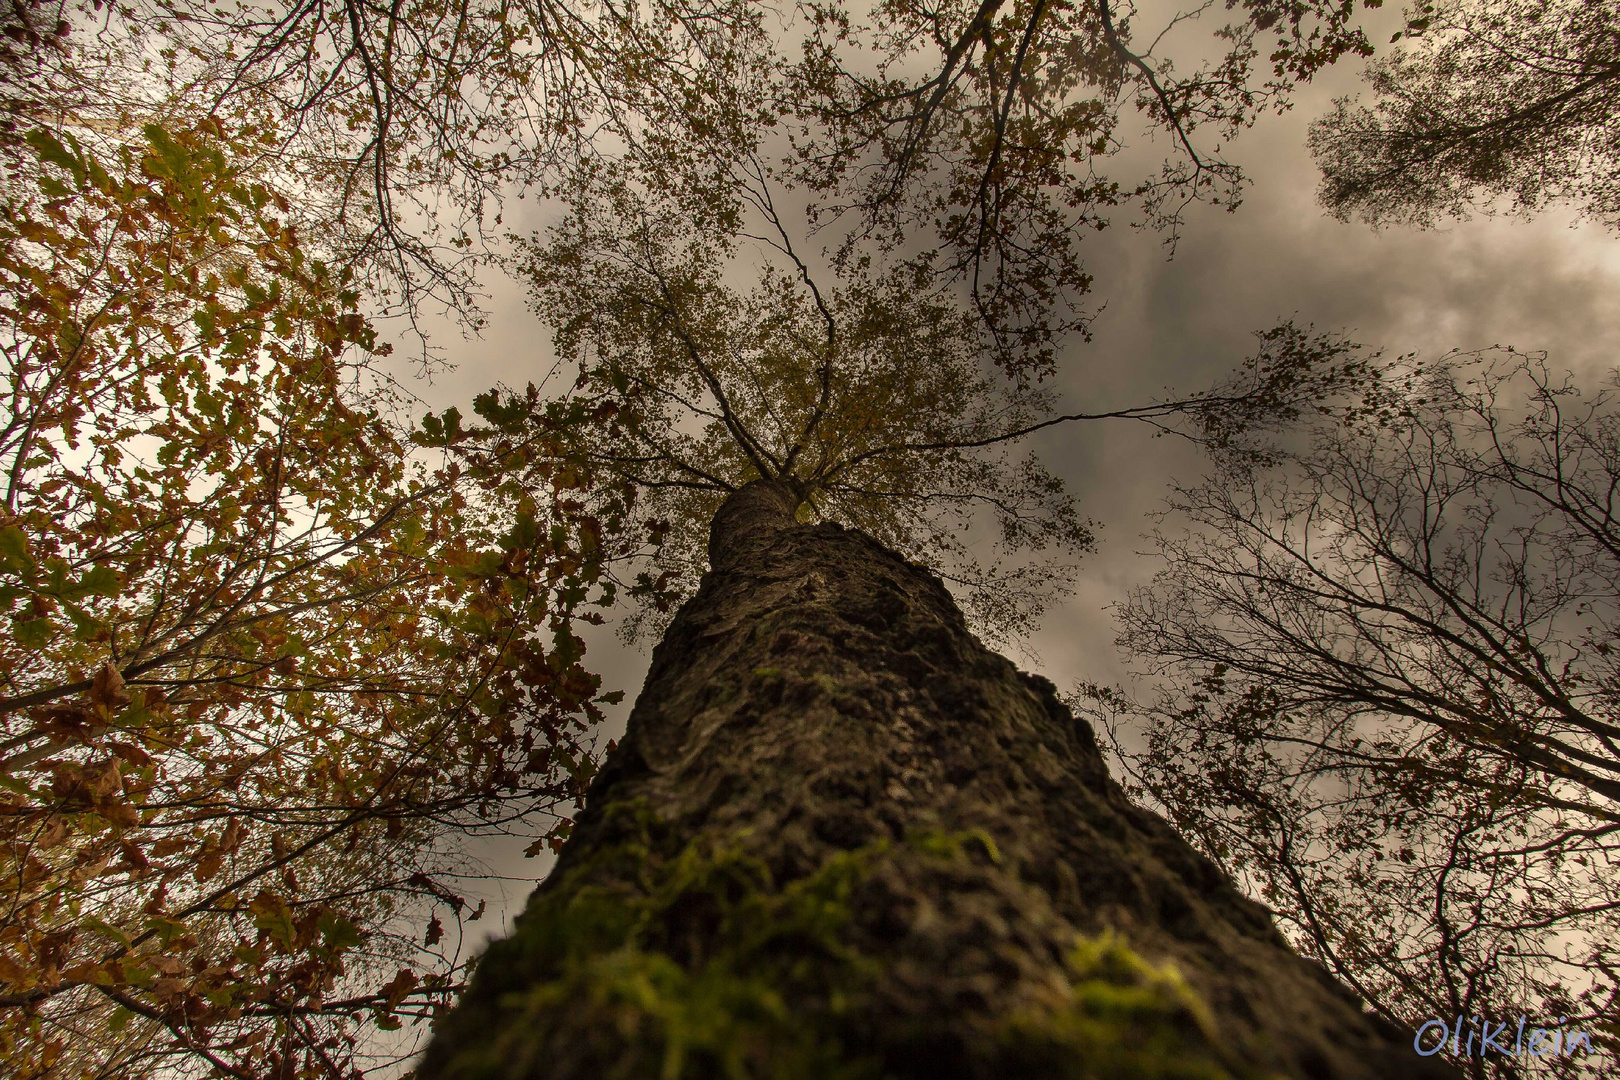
x,y
107,690
398,988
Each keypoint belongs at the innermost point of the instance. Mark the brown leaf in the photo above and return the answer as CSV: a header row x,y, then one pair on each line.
x,y
107,781
165,964
170,845
435,932
124,814
67,720
52,833
396,989
133,855
130,753
166,988
210,863
18,976
86,783
107,690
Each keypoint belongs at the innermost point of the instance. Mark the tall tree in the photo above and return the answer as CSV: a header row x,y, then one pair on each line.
x,y
1487,105
259,652
360,111
840,837
1391,704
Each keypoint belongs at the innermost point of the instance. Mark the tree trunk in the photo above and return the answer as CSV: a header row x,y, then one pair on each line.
x,y
841,838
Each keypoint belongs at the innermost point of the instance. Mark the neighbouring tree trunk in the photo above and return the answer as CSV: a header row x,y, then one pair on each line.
x,y
841,838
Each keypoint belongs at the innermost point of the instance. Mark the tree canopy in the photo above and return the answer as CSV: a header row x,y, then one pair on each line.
x,y
396,132
1486,105
906,232
861,399
973,142
869,399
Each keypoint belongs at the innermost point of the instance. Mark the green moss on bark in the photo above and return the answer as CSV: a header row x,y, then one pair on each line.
x,y
1125,1018
645,962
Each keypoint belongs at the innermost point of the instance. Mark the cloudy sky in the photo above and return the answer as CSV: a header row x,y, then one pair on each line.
x,y
1550,284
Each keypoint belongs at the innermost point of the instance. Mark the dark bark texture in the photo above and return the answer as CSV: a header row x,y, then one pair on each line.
x,y
841,838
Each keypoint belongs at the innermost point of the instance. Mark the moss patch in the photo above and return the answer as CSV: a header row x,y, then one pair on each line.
x,y
1125,1019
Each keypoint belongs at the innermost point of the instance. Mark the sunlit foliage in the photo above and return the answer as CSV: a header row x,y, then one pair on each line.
x,y
265,642
258,648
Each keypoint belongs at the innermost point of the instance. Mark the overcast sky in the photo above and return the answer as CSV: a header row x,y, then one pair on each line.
x,y
1548,284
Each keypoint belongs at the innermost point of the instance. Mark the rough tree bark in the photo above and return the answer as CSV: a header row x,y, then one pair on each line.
x,y
841,838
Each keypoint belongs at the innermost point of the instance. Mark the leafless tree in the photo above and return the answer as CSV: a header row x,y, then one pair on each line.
x,y
1391,698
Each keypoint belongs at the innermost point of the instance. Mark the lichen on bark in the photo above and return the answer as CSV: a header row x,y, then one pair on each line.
x,y
842,839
